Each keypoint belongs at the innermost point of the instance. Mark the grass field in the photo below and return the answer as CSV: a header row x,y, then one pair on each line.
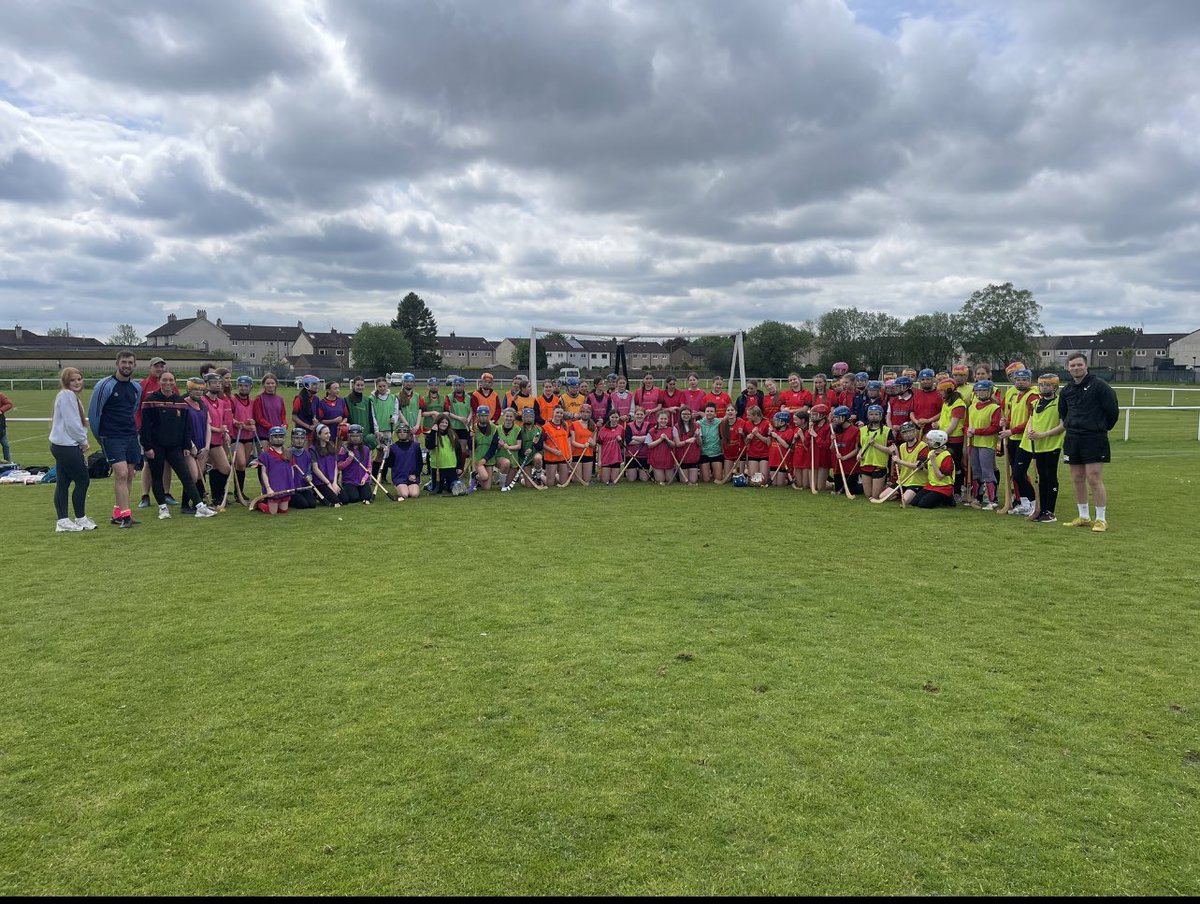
x,y
630,690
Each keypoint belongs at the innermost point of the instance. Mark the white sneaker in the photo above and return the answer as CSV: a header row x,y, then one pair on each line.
x,y
203,511
1025,508
66,525
990,507
163,512
86,523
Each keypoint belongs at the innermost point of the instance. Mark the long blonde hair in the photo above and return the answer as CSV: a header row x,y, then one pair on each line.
x,y
68,374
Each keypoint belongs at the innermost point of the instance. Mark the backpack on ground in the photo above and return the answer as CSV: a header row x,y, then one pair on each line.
x,y
98,466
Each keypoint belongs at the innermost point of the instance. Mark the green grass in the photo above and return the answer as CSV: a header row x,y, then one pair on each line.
x,y
632,690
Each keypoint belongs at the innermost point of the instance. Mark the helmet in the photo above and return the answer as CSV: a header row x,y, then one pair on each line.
x,y
738,480
820,409
244,380
841,411
1048,383
758,479
277,431
212,377
984,386
904,382
875,409
459,381
909,372
925,374
432,381
945,384
1023,374
908,427
841,365
612,376
356,430
458,488
874,384
960,369
572,381
298,431
308,381
483,409
783,415
1014,367
937,438
862,375
194,383
527,410
406,377
486,376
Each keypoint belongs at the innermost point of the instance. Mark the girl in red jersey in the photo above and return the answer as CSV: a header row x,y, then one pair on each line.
x,y
693,395
611,441
269,409
770,402
660,446
757,429
637,435
733,440
598,399
220,420
718,396
801,452
822,394
648,396
687,446
779,454
819,436
244,432
844,445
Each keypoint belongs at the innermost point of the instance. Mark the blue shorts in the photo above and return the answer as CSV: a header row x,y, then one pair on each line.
x,y
122,448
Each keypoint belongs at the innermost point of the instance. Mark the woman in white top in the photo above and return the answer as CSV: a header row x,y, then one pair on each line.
x,y
69,445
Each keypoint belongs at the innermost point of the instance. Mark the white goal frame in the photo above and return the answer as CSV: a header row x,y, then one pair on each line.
x,y
737,364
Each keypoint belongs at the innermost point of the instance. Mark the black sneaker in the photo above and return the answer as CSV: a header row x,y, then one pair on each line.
x,y
128,521
186,509
1046,518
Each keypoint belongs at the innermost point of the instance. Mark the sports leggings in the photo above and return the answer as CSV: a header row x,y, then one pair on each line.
x,y
1019,463
158,465
956,455
445,479
69,468
1047,469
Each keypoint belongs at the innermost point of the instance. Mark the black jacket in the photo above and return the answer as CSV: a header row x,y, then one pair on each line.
x,y
1089,406
166,423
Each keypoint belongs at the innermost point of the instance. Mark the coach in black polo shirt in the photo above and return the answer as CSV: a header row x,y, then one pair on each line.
x,y
1088,407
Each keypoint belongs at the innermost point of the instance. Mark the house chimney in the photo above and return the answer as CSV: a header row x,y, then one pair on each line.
x,y
300,324
218,321
18,332
452,334
171,318
201,314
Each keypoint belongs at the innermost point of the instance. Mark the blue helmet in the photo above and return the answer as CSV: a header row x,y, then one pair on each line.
x,y
783,416
841,411
984,386
905,382
874,384
298,431
862,375
277,431
484,410
407,376
572,381
356,430
459,381
739,480
926,374
244,380
1023,372
875,409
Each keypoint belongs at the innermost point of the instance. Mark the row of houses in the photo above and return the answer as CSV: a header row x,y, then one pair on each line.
x,y
255,348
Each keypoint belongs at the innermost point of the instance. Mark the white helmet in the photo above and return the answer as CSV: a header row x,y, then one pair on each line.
x,y
936,438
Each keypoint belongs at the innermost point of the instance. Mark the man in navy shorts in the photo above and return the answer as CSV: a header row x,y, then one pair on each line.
x,y
1088,407
112,416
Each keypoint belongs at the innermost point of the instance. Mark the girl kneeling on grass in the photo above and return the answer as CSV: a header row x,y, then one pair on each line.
x,y
873,437
404,462
324,467
637,435
611,439
758,431
782,435
711,462
354,464
686,439
275,473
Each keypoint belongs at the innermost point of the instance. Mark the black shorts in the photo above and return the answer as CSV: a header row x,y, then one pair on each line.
x,y
1086,449
583,458
756,458
711,459
874,473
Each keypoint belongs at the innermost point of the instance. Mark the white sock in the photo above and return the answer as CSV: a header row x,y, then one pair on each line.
x,y
1100,512
1083,509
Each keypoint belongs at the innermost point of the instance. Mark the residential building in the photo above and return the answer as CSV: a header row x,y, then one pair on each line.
x,y
194,332
1185,351
466,352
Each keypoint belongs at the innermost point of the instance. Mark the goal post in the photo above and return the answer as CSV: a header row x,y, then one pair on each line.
x,y
737,362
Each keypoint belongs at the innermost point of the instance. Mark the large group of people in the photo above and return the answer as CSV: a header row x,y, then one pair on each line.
x,y
923,438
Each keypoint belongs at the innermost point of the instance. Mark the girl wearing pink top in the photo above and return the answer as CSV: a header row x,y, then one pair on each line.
x,y
693,395
661,445
611,439
621,400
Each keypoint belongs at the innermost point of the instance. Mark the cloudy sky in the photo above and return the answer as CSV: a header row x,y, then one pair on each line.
x,y
702,164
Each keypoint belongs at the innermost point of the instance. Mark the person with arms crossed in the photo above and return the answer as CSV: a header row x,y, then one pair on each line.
x,y
69,446
112,414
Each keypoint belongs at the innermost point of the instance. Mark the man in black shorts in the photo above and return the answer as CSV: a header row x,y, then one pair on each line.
x,y
1088,407
111,415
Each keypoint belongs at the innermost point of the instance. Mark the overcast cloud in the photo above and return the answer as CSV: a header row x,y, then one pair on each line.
x,y
605,165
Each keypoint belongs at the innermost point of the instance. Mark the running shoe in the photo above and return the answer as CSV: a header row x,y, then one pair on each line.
x,y
66,526
1078,522
86,523
163,512
1099,527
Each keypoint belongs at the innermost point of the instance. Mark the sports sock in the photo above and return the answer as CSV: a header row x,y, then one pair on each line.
x,y
1083,509
218,481
1100,512
991,492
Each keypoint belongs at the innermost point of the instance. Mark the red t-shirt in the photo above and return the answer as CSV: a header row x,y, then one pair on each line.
x,y
927,404
770,405
734,439
777,451
721,400
793,399
756,436
900,409
845,442
647,399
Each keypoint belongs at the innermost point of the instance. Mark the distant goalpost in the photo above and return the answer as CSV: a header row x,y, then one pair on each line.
x,y
737,364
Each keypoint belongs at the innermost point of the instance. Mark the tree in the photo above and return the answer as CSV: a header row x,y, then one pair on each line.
x,y
773,347
59,332
521,356
999,324
930,340
415,322
718,353
380,349
1117,330
125,336
863,339
1126,355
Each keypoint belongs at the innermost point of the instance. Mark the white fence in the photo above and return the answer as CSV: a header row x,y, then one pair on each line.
x,y
1129,415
